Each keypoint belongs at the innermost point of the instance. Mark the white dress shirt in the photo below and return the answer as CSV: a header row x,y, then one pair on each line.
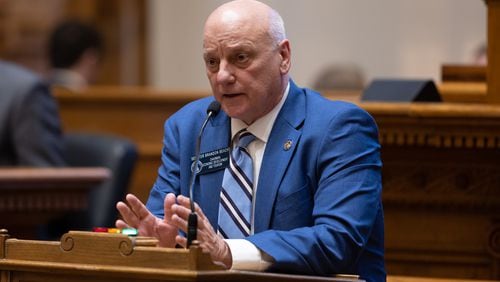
x,y
246,256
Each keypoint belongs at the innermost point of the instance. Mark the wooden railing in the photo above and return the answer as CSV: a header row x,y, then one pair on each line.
x,y
104,257
30,197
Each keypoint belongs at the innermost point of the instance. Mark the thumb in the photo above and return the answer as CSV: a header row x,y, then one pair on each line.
x,y
167,207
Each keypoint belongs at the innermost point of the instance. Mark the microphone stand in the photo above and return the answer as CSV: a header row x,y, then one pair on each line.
x,y
192,227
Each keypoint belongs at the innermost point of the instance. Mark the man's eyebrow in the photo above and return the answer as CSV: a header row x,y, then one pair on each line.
x,y
231,48
240,46
207,52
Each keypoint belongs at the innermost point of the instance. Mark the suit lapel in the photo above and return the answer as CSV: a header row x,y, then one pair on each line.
x,y
216,136
281,146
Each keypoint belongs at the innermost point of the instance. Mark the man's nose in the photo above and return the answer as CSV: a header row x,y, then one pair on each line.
x,y
225,74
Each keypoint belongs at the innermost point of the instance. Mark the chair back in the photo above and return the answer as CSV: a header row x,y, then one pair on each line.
x,y
116,153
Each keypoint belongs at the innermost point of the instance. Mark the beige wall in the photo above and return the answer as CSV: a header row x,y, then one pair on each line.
x,y
387,38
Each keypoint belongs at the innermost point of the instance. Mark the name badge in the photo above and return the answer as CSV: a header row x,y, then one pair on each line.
x,y
211,161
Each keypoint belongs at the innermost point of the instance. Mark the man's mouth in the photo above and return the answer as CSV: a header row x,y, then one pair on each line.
x,y
231,95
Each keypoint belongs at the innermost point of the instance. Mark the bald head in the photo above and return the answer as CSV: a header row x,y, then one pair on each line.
x,y
247,58
247,15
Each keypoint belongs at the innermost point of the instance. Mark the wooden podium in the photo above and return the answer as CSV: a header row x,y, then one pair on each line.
x,y
87,256
32,196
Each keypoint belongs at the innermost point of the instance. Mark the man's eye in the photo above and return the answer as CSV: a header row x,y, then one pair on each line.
x,y
242,57
212,63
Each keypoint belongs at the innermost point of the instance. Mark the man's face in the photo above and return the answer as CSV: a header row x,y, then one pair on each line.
x,y
244,67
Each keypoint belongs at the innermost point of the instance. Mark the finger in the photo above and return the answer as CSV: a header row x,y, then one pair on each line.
x,y
203,222
205,229
184,209
137,206
166,235
181,240
167,207
121,224
127,214
179,222
199,211
181,211
183,201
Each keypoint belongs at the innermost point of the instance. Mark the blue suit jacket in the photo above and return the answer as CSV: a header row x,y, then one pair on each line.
x,y
318,204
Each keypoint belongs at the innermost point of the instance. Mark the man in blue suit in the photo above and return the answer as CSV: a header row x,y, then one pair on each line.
x,y
317,196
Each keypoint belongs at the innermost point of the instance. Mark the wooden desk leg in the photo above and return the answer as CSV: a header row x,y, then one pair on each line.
x,y
4,274
4,235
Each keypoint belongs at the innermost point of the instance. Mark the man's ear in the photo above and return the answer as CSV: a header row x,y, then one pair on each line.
x,y
285,53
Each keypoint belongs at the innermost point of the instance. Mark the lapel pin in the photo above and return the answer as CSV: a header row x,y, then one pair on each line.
x,y
287,145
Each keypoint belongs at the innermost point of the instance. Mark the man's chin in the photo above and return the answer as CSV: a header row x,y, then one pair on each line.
x,y
234,112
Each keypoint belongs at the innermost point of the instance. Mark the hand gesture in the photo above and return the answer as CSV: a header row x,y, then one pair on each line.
x,y
210,241
136,215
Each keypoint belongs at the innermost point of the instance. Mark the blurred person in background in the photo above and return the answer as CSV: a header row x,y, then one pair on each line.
x,y
75,50
30,129
481,55
340,77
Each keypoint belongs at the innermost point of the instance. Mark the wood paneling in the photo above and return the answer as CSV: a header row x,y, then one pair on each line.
x,y
463,73
25,26
441,188
463,92
30,197
132,112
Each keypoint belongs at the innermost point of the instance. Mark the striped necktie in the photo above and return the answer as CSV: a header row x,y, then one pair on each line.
x,y
235,207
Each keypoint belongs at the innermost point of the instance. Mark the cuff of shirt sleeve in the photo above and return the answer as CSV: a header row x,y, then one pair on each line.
x,y
246,256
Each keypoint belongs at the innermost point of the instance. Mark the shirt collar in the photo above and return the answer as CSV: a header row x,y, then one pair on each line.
x,y
69,78
261,128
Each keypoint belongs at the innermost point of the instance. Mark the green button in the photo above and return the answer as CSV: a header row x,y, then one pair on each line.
x,y
130,231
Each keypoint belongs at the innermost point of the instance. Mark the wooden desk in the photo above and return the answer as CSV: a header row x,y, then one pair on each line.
x,y
441,188
86,256
463,92
32,196
450,92
463,73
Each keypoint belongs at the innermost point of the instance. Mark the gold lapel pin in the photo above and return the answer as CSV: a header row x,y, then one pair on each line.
x,y
287,145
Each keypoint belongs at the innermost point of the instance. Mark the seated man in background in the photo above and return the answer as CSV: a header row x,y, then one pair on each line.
x,y
30,129
298,190
74,52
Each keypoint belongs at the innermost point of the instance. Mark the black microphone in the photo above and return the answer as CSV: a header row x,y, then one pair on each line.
x,y
212,110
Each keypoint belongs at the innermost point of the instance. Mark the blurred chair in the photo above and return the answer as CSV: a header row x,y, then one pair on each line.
x,y
340,77
116,153
92,149
341,82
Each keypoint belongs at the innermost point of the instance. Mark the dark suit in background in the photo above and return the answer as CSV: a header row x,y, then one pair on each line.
x,y
30,129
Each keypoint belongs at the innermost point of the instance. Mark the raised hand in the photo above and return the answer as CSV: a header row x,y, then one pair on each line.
x,y
209,240
136,215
